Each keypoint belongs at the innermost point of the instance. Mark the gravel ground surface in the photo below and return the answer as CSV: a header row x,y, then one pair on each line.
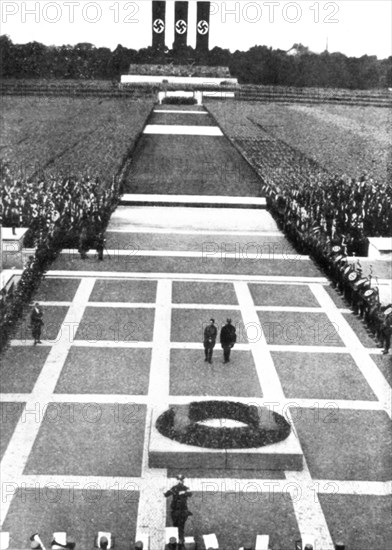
x,y
345,444
68,510
106,371
74,443
239,517
191,375
116,325
321,376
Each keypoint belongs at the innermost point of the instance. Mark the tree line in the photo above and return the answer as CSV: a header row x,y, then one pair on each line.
x,y
258,65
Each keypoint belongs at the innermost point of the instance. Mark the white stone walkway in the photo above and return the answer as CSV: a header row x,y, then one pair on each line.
x,y
152,506
180,112
174,130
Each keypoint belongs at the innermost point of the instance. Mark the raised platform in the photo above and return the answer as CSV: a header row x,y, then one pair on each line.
x,y
16,259
180,80
13,241
9,278
166,453
197,96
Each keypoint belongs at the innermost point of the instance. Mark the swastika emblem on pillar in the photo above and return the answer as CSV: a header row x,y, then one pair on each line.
x,y
181,26
202,27
158,26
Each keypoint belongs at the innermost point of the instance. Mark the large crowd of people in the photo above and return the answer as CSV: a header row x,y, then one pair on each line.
x,y
330,218
57,208
307,196
59,212
314,208
330,249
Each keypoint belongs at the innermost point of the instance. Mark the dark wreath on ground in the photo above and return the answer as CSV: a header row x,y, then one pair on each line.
x,y
182,423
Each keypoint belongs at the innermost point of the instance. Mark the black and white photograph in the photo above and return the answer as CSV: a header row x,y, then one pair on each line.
x,y
196,275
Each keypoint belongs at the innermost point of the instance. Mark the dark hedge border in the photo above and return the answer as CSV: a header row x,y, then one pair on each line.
x,y
192,433
29,282
179,101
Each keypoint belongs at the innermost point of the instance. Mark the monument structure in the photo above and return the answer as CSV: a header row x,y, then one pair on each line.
x,y
184,76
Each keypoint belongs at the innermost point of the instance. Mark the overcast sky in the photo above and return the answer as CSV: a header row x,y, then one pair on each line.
x,y
353,27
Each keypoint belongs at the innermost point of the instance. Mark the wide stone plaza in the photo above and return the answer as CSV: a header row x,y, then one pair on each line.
x,y
123,339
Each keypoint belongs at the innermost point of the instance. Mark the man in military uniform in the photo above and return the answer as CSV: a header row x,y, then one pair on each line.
x,y
210,334
179,506
36,321
228,338
100,245
83,242
386,329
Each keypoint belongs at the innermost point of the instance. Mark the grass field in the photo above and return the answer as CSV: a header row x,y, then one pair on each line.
x,y
343,139
72,136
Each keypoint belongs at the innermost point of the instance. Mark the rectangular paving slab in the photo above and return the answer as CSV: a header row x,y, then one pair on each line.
x,y
89,439
101,370
238,517
321,376
360,521
343,444
78,510
20,367
191,375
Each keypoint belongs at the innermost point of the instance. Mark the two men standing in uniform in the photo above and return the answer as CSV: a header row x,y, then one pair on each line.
x,y
228,338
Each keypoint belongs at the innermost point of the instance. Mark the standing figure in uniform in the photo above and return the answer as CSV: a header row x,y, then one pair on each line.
x,y
386,330
210,334
83,242
179,506
100,244
228,338
36,320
